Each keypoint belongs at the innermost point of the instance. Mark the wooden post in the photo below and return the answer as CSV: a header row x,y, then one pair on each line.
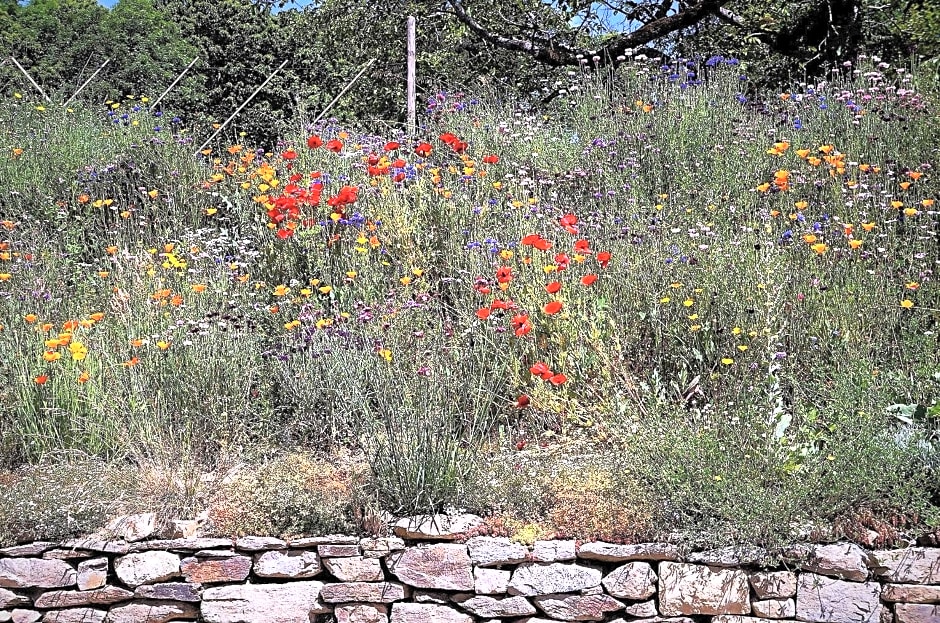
x,y
31,81
173,84
343,92
412,55
84,84
239,109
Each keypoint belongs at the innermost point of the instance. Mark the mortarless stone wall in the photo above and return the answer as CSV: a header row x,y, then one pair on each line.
x,y
435,574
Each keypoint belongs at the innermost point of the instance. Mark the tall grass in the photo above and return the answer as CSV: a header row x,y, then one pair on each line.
x,y
773,298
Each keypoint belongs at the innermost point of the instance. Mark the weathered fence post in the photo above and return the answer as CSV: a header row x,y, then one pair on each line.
x,y
173,84
31,81
412,56
84,84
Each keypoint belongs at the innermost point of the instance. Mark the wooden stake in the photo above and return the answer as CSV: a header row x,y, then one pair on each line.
x,y
412,56
343,92
173,84
239,109
84,84
31,81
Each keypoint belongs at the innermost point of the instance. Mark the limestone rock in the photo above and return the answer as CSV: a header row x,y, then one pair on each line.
x,y
27,550
641,609
371,592
547,579
430,597
153,612
330,539
75,615
443,566
338,551
292,564
735,618
826,600
35,573
214,570
20,615
907,593
353,569
916,613
146,568
98,545
774,584
182,529
92,574
686,589
427,613
845,561
361,613
492,607
914,565
9,599
181,545
380,547
634,580
259,543
610,552
73,599
295,602
734,556
132,528
66,554
490,581
488,551
774,608
437,527
171,591
553,551
577,607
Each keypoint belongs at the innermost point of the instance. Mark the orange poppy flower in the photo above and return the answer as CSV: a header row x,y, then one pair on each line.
x,y
553,287
83,377
133,361
483,313
97,316
552,308
588,279
557,379
41,379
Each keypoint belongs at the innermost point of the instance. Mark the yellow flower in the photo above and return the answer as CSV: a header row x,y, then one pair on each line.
x,y
281,290
51,355
405,281
868,226
688,303
907,303
351,274
664,300
910,212
79,351
293,324
727,361
325,289
5,276
695,327
819,248
912,285
163,345
736,331
855,244
385,354
742,347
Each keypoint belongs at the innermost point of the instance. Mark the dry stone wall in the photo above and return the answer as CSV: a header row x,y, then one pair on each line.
x,y
432,573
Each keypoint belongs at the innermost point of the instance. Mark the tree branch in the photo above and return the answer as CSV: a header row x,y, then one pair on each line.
x,y
557,54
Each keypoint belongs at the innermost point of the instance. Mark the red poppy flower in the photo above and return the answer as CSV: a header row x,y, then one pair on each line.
x,y
399,163
399,177
500,304
603,258
483,313
582,246
448,138
392,146
520,445
561,261
523,329
423,149
491,159
537,241
296,177
553,287
541,370
284,233
314,141
588,279
519,320
552,308
568,222
459,146
289,154
557,379
522,401
504,274
335,146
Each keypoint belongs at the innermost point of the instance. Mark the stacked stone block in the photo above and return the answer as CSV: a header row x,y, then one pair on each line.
x,y
434,575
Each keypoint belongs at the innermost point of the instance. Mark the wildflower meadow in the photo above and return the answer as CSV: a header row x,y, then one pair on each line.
x,y
663,305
